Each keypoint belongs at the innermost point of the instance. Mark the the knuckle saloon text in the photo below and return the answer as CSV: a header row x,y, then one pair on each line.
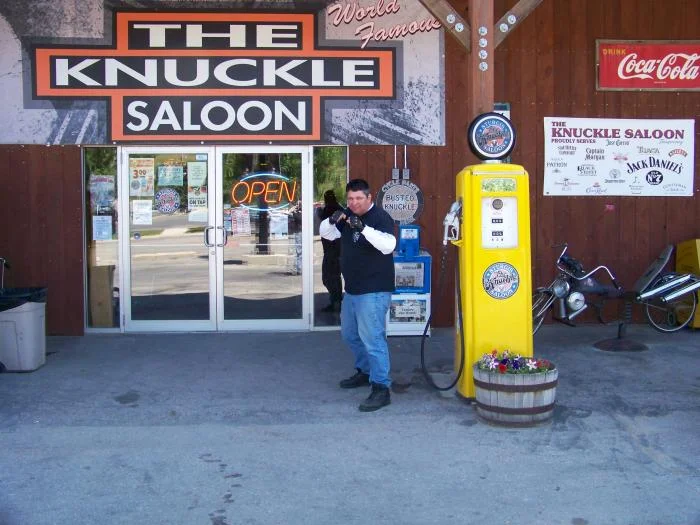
x,y
244,78
560,132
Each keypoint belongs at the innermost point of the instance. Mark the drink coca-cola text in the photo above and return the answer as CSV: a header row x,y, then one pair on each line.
x,y
673,66
654,65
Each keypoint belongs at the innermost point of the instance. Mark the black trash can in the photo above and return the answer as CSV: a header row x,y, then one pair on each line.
x,y
22,328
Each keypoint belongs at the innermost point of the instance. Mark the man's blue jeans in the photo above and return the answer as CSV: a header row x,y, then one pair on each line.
x,y
363,328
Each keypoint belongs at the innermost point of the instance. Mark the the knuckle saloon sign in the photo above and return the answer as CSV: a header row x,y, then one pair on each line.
x,y
214,76
221,76
648,65
627,157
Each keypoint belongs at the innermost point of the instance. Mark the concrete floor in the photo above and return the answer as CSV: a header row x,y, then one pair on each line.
x,y
227,429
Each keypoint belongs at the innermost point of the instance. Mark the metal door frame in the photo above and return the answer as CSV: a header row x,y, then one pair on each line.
x,y
305,322
128,324
216,321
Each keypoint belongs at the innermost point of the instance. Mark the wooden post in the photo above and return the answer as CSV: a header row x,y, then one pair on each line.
x,y
480,73
480,37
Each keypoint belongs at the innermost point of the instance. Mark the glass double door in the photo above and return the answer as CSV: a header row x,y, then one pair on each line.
x,y
216,238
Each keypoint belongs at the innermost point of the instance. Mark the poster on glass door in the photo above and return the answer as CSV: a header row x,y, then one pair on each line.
x,y
197,210
141,177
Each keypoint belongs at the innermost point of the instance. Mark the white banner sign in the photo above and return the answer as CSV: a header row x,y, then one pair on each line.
x,y
599,157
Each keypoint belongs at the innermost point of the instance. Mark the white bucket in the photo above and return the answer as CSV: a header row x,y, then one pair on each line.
x,y
23,337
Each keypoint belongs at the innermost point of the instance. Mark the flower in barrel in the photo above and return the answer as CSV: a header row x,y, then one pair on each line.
x,y
507,362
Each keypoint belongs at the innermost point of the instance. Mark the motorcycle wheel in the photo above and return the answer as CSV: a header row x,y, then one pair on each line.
x,y
541,301
672,315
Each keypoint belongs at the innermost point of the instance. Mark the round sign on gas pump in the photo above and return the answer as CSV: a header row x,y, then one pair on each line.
x,y
491,136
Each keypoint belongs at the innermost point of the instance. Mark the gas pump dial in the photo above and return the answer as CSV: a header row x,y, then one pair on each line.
x,y
499,222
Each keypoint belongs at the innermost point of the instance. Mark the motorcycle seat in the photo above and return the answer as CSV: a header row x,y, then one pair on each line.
x,y
654,270
592,286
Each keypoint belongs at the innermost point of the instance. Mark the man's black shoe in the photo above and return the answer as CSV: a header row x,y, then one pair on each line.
x,y
378,398
358,380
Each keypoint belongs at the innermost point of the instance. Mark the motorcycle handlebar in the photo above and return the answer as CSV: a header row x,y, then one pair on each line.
x,y
594,270
572,264
574,269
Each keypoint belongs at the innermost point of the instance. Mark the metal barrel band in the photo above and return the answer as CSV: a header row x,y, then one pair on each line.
x,y
516,388
516,411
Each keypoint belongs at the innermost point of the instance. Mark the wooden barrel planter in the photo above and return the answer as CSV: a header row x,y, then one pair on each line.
x,y
515,399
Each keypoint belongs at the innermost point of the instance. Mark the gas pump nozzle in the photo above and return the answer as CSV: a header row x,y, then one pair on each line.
x,y
451,223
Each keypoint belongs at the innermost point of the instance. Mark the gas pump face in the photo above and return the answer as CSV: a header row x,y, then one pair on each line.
x,y
494,263
499,222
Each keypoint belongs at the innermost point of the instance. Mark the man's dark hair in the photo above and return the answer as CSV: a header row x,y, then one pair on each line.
x,y
358,185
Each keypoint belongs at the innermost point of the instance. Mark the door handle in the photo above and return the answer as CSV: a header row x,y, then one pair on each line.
x,y
206,237
224,232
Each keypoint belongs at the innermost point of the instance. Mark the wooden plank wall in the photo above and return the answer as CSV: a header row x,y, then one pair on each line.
x,y
41,206
433,169
546,67
554,52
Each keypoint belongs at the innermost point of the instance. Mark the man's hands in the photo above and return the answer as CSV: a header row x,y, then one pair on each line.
x,y
338,215
355,223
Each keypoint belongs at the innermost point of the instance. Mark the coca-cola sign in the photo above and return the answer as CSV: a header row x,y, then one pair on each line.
x,y
648,65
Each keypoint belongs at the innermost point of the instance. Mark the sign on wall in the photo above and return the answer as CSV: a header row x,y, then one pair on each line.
x,y
634,65
402,200
599,157
353,73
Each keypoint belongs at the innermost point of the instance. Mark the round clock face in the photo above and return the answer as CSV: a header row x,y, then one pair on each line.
x,y
491,136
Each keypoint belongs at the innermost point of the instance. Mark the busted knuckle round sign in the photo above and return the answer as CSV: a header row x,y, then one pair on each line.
x,y
402,200
501,280
491,136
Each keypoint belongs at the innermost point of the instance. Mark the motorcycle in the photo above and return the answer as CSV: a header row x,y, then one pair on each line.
x,y
669,299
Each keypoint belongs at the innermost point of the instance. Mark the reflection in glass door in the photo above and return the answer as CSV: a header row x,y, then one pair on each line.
x,y
262,265
215,238
329,180
170,239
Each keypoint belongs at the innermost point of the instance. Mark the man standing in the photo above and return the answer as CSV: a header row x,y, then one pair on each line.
x,y
367,264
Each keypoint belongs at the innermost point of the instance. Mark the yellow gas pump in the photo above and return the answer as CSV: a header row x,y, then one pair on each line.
x,y
494,250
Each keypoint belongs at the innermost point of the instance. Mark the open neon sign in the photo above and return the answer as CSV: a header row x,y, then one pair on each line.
x,y
264,191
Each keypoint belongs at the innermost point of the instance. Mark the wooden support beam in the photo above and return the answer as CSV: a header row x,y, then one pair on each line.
x,y
450,19
512,18
480,73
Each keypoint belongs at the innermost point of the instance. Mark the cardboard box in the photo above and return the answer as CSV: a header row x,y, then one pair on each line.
x,y
101,285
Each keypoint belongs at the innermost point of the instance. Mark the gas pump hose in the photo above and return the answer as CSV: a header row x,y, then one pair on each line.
x,y
441,284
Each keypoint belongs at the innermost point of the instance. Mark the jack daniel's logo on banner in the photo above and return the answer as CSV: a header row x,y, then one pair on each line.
x,y
214,76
